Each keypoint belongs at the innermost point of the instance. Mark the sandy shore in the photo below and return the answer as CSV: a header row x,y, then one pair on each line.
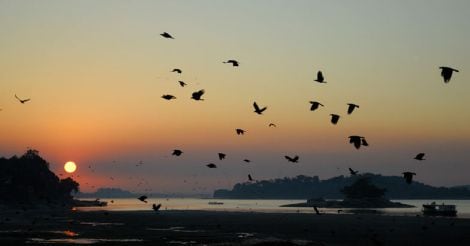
x,y
227,228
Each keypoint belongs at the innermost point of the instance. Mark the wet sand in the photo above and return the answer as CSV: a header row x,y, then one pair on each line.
x,y
227,228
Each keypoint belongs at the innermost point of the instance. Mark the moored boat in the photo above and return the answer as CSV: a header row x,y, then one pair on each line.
x,y
215,203
434,209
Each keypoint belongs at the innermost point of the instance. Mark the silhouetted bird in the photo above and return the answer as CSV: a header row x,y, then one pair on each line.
x,y
351,107
250,178
22,100
272,125
246,160
156,207
182,84
420,157
352,172
257,109
358,141
294,159
177,70
316,210
221,156
408,177
315,105
177,152
143,198
211,165
240,131
320,78
334,118
168,97
233,62
446,73
166,35
197,95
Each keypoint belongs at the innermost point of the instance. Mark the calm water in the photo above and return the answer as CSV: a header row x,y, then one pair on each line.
x,y
463,206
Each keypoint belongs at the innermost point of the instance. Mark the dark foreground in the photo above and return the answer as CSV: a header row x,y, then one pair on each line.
x,y
227,228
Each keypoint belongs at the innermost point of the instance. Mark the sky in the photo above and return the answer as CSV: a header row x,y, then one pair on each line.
x,y
96,70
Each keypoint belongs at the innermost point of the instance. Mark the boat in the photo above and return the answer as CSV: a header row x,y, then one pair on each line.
x,y
215,203
88,203
434,209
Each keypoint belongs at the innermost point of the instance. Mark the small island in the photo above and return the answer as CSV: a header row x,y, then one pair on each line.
x,y
361,194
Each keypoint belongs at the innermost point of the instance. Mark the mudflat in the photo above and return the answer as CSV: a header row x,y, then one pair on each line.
x,y
226,228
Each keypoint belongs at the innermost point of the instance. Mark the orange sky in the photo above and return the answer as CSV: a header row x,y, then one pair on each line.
x,y
95,73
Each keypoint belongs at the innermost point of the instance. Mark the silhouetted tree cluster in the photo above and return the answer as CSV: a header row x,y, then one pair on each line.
x,y
28,180
304,187
362,188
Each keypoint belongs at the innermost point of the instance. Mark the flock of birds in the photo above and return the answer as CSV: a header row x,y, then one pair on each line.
x,y
356,141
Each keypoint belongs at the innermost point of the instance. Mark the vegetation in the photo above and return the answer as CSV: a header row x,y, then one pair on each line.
x,y
28,180
304,187
362,188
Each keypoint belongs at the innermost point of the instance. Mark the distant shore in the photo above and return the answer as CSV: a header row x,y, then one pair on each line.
x,y
239,228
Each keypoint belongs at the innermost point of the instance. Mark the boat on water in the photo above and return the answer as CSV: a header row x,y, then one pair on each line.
x,y
215,203
434,209
87,203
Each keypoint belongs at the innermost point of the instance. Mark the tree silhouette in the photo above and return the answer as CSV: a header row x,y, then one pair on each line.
x,y
28,180
362,188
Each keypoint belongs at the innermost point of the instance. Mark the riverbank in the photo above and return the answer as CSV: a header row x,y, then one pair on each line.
x,y
228,228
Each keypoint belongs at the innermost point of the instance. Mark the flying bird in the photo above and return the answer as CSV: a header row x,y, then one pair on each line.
x,y
168,97
166,35
197,95
211,165
221,156
446,73
351,107
272,125
246,160
420,157
176,70
315,105
408,176
334,119
182,83
177,152
320,78
156,207
143,198
257,109
233,62
249,177
294,159
316,210
22,100
352,172
240,131
357,141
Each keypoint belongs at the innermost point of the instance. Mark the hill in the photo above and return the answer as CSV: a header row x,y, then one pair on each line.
x,y
305,187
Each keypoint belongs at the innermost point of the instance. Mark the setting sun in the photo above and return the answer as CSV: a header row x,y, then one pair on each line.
x,y
70,167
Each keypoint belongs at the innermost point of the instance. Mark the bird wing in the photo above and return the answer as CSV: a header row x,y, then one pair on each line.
x,y
320,76
256,106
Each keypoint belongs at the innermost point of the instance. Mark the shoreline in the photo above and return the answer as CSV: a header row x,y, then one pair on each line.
x,y
172,227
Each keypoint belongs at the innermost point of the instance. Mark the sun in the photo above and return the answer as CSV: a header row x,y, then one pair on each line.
x,y
70,167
